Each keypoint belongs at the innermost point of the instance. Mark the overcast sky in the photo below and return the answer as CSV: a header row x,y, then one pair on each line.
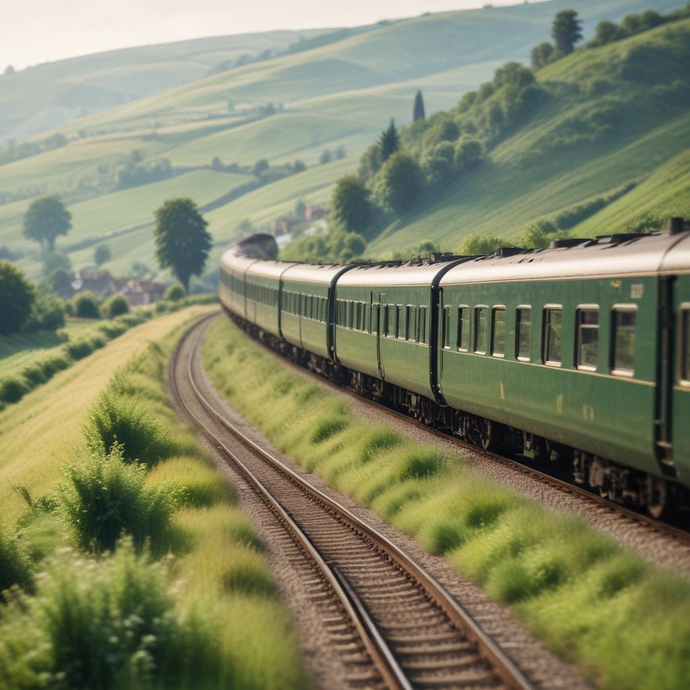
x,y
33,31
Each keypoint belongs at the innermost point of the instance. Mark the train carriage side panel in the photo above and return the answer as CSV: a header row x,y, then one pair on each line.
x,y
263,294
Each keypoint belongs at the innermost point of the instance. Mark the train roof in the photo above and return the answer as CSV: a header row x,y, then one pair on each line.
x,y
398,274
612,255
677,260
269,269
315,273
235,260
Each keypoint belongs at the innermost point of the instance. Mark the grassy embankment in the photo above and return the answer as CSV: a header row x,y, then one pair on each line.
x,y
206,616
625,622
26,370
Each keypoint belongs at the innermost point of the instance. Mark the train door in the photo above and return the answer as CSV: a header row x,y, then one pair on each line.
x,y
680,405
377,321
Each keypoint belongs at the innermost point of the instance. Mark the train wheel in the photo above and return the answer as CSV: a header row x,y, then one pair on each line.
x,y
487,431
657,502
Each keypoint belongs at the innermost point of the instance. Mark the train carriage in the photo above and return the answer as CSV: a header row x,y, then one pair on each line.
x,y
262,285
232,284
383,324
307,300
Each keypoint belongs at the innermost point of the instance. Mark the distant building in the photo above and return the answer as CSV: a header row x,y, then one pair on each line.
x,y
138,292
142,292
98,282
313,213
284,226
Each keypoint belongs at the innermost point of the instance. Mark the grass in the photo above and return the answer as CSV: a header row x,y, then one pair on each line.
x,y
205,616
625,622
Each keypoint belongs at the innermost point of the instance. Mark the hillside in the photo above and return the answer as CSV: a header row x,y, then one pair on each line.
x,y
283,109
614,118
52,94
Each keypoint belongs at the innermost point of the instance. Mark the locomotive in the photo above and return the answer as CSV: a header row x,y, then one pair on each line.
x,y
578,354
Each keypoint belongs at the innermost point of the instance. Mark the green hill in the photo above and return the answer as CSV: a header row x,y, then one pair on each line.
x,y
611,119
54,93
282,109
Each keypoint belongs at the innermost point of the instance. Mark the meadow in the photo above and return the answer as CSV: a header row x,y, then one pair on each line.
x,y
186,599
622,620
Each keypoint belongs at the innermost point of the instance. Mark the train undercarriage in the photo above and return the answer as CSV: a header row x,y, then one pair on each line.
x,y
658,497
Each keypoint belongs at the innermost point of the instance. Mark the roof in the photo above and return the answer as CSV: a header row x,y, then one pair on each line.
x,y
268,269
398,274
235,260
315,273
607,256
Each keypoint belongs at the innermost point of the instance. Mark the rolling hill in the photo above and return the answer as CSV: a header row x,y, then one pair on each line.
x,y
282,109
616,118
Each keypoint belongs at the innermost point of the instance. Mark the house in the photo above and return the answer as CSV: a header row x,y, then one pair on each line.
x,y
313,213
142,292
99,282
284,226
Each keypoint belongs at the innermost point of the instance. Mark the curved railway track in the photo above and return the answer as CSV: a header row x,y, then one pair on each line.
x,y
392,623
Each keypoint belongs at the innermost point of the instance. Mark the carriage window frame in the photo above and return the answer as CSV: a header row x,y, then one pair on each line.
x,y
421,325
464,330
445,328
411,323
519,330
481,348
684,345
549,310
399,326
615,310
581,310
498,308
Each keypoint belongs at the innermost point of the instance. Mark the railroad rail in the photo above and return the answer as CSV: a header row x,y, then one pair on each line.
x,y
392,623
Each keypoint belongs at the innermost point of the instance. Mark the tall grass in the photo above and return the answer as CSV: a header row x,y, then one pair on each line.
x,y
15,565
626,622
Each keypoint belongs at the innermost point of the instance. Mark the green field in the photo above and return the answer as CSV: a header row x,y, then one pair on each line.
x,y
341,94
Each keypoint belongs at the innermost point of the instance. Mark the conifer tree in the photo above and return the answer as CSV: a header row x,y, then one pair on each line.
x,y
389,142
418,113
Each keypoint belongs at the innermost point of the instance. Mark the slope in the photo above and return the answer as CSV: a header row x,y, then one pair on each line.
x,y
613,115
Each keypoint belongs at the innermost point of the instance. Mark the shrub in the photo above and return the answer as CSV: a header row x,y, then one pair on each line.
x,y
108,624
105,497
112,329
15,566
13,389
127,422
86,306
47,314
117,305
175,292
78,349
18,296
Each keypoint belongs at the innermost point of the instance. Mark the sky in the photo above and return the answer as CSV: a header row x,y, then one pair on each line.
x,y
35,31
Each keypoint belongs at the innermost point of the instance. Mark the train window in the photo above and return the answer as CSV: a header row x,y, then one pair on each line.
x,y
480,330
399,326
587,338
463,343
553,335
390,320
624,322
375,311
523,333
358,316
421,322
498,332
411,333
445,337
685,346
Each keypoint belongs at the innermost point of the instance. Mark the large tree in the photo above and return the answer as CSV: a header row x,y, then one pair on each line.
x,y
400,182
542,55
101,255
389,142
350,206
418,113
18,296
566,31
45,220
182,241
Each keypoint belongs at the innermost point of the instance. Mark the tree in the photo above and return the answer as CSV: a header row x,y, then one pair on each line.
x,y
418,112
56,262
101,255
480,245
325,157
537,235
468,152
370,163
45,220
217,163
606,32
566,31
399,182
18,296
9,70
389,142
182,240
86,305
340,153
298,166
300,209
174,293
351,207
260,167
117,305
542,55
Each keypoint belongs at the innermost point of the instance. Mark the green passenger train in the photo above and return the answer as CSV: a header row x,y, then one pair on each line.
x,y
578,354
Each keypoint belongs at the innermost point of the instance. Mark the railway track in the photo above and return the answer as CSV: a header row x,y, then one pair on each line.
x,y
392,623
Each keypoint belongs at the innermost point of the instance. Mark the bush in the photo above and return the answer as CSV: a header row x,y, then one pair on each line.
x,y
112,329
109,624
47,314
399,183
78,349
124,421
13,389
15,566
18,296
105,497
86,306
117,305
175,292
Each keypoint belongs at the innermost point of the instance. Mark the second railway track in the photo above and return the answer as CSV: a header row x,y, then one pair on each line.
x,y
393,624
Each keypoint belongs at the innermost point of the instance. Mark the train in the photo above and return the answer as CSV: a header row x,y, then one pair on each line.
x,y
577,356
